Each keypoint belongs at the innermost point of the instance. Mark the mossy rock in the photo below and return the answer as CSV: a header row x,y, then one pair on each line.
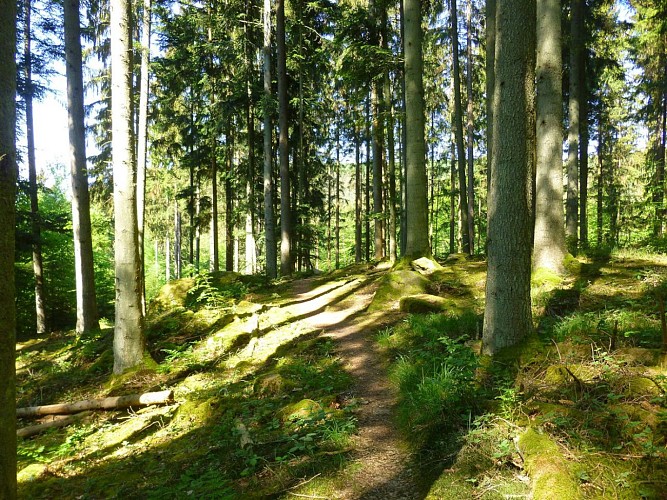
x,y
31,473
397,284
304,409
638,356
425,266
173,294
547,467
637,386
558,374
425,303
455,258
271,384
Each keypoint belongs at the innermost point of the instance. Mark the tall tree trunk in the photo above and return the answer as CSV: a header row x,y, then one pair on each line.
x,y
576,43
337,228
507,317
37,261
250,248
549,248
167,259
142,141
84,271
367,184
404,134
583,149
391,164
357,196
229,203
378,159
417,244
470,129
177,242
129,325
490,82
458,130
600,190
452,199
269,219
8,176
285,209
215,248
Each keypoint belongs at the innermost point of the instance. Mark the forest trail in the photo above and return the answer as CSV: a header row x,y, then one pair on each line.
x,y
381,460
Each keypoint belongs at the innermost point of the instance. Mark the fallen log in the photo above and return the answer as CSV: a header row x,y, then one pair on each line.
x,y
31,430
112,403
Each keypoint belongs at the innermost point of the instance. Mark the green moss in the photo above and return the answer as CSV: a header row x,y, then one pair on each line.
x,y
31,473
425,303
547,467
397,284
303,409
545,277
572,264
173,294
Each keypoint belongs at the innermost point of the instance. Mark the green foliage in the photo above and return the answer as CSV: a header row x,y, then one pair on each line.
x,y
434,371
212,293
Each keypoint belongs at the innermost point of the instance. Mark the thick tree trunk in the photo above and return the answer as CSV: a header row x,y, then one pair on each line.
x,y
129,324
8,176
37,261
572,206
269,218
84,272
417,244
452,199
250,246
142,141
285,208
549,247
391,167
367,184
507,317
458,130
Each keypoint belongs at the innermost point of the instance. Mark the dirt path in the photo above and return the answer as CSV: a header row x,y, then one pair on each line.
x,y
381,453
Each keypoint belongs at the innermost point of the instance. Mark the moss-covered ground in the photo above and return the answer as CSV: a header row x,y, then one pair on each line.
x,y
263,406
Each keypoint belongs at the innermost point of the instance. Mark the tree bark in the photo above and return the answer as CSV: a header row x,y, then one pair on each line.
x,y
470,132
129,324
58,421
35,222
8,176
549,247
142,141
229,203
490,82
285,209
576,42
269,218
458,130
357,196
86,303
417,244
507,317
250,246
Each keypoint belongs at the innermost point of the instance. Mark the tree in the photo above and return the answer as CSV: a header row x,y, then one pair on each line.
x,y
285,208
129,326
574,117
507,317
269,220
8,175
549,247
466,237
37,261
417,243
142,139
86,304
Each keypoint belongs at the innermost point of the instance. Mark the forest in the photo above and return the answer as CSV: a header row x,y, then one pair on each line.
x,y
345,249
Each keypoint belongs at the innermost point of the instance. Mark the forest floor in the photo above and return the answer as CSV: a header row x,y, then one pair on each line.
x,y
321,387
